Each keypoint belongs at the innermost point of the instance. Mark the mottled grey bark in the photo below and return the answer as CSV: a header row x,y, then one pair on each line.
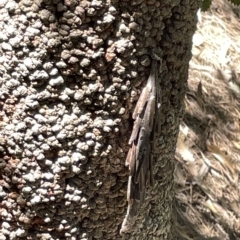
x,y
71,73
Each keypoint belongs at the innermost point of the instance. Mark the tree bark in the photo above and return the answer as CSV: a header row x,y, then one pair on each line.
x,y
71,74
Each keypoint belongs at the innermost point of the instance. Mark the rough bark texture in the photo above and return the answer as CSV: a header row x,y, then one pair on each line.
x,y
71,73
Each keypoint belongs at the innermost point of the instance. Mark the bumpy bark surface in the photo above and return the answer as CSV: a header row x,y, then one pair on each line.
x,y
71,73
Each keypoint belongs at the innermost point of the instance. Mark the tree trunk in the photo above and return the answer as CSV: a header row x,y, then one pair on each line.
x,y
71,74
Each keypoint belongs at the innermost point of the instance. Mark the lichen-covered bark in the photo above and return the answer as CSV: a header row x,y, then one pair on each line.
x,y
71,73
